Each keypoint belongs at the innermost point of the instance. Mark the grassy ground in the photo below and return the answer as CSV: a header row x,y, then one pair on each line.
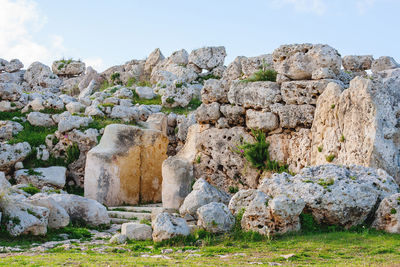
x,y
341,248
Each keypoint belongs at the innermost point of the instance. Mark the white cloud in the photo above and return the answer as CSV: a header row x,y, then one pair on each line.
x,y
20,20
96,62
307,6
364,5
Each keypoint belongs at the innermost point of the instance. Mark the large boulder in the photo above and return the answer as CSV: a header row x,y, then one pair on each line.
x,y
58,216
126,166
270,216
359,125
387,217
13,66
39,74
215,217
10,91
177,174
254,94
68,67
68,122
83,209
208,113
202,194
291,116
11,154
154,58
241,200
167,226
384,63
52,176
208,57
357,63
261,120
307,61
214,91
334,194
8,129
136,231
40,119
218,160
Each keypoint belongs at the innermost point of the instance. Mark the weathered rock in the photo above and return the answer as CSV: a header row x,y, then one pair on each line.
x,y
13,66
254,94
234,70
75,107
250,65
208,57
81,208
10,91
214,91
40,177
40,119
261,120
180,57
307,61
268,216
303,92
234,114
124,113
157,121
357,63
292,149
154,58
11,154
333,194
126,166
384,63
208,113
136,231
219,162
69,122
9,128
241,200
387,217
68,67
359,125
183,124
215,217
167,226
145,92
39,74
177,176
202,194
58,217
291,116
118,239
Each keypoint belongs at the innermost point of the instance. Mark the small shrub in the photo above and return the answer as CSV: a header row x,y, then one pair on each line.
x,y
144,84
393,211
170,100
330,158
320,149
131,81
115,76
264,74
333,106
198,159
179,84
31,189
233,189
308,224
73,153
342,139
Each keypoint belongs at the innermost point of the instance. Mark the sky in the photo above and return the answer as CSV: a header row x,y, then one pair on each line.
x,y
104,33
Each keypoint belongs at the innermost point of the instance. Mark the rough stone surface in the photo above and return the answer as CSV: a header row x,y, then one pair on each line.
x,y
333,194
81,208
167,226
261,120
208,113
357,63
39,74
40,119
387,217
235,115
215,217
136,231
214,91
242,199
11,154
68,68
202,194
307,61
126,166
359,125
291,116
177,174
384,63
254,94
208,57
51,176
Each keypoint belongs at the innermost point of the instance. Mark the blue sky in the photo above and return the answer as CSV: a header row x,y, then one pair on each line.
x,y
105,33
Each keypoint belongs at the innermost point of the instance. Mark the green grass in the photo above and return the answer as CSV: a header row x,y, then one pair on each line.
x,y
34,135
32,162
31,189
341,248
6,116
263,74
193,105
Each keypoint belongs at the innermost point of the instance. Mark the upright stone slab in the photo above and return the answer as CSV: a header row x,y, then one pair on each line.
x,y
125,168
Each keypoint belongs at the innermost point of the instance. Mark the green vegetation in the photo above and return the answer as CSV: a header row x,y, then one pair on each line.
x,y
342,138
333,106
33,172
193,105
30,189
320,149
233,189
6,116
72,153
101,122
258,155
326,182
105,85
207,77
393,211
131,81
141,101
330,158
34,135
144,221
32,162
264,74
198,158
144,84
